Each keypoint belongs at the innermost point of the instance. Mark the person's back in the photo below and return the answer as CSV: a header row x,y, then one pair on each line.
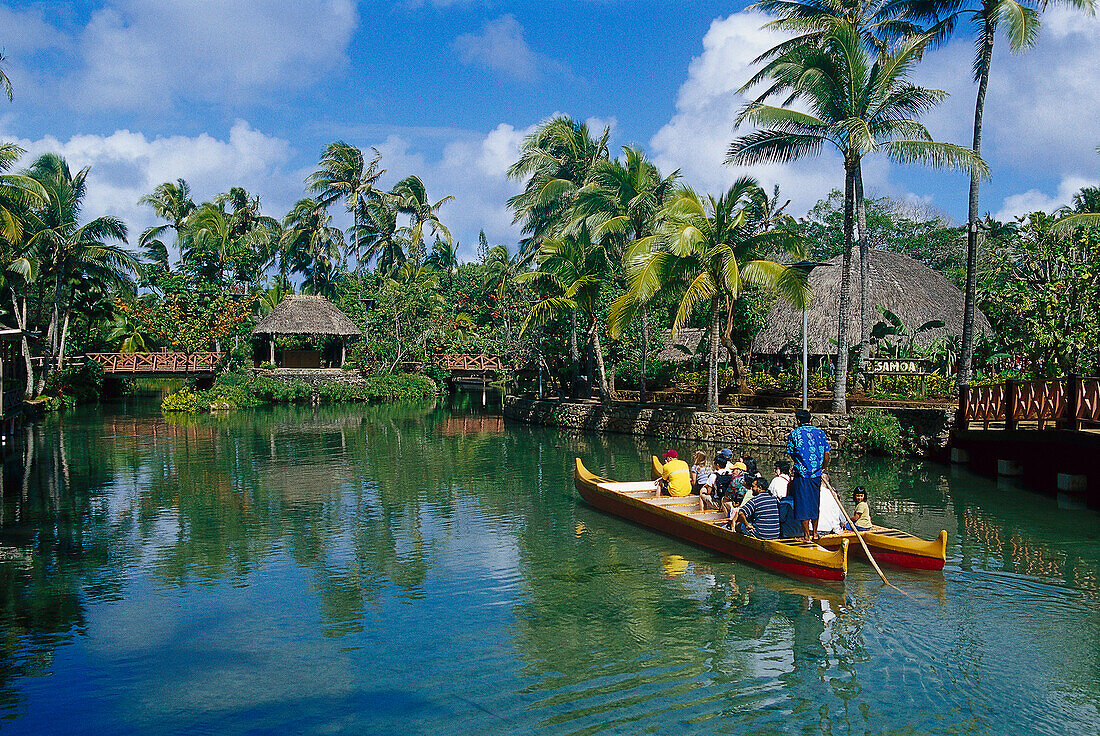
x,y
789,526
762,511
677,474
831,518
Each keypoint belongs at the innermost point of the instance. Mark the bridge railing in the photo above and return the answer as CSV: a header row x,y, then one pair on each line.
x,y
157,362
1068,403
468,362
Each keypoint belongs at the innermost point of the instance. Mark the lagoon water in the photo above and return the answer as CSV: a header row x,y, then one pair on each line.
x,y
427,570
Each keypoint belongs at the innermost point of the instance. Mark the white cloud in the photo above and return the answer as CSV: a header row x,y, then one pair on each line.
x,y
1034,200
695,140
501,47
1040,105
473,168
126,165
151,53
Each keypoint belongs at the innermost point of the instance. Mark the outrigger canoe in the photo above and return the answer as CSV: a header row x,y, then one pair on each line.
x,y
891,546
680,517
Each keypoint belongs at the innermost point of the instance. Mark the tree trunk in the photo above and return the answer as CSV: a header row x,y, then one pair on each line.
x,y
594,333
64,337
645,350
574,355
966,357
21,323
863,242
712,357
840,383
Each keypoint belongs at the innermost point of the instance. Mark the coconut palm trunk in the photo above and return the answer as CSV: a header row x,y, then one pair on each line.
x,y
966,359
574,354
597,352
645,350
864,245
840,383
712,355
21,323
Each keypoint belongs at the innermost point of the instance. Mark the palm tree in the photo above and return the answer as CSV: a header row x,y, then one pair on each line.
x,y
573,270
709,253
18,194
557,160
444,256
4,81
308,235
172,202
412,200
858,106
503,268
343,174
381,234
71,253
1020,21
621,202
1085,211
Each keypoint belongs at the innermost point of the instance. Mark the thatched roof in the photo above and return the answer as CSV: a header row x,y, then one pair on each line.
x,y
906,287
690,344
300,314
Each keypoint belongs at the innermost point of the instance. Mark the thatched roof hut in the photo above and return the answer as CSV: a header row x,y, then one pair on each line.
x,y
903,285
302,314
690,345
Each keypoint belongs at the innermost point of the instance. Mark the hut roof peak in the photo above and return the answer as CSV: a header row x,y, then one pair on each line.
x,y
306,314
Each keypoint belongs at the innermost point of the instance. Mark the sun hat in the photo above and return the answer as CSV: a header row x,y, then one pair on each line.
x,y
671,454
739,466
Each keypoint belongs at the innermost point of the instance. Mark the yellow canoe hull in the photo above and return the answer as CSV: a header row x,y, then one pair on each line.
x,y
680,517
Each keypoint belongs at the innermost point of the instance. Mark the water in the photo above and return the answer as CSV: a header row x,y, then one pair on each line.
x,y
423,570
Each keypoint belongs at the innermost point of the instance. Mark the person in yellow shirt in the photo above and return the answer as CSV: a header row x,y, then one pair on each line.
x,y
675,476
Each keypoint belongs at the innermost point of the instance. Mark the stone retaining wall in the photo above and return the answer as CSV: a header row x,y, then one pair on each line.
x,y
735,428
927,430
314,376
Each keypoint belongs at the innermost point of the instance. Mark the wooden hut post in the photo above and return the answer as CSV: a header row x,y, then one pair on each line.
x,y
271,348
343,352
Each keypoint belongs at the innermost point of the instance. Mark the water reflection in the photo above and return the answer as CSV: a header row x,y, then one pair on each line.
x,y
428,569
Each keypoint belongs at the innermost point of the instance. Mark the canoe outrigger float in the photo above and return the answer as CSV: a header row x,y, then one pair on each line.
x,y
892,546
679,516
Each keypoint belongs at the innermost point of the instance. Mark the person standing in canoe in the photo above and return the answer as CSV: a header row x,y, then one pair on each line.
x,y
675,475
809,450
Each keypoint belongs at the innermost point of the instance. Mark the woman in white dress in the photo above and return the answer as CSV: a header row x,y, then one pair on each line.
x,y
830,518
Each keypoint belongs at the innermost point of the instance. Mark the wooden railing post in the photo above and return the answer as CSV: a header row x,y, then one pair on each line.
x,y
1012,397
1073,402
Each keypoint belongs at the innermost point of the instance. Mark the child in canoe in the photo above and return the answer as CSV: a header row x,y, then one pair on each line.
x,y
861,517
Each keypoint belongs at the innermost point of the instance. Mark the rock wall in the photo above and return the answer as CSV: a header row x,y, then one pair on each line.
x,y
926,430
735,428
314,376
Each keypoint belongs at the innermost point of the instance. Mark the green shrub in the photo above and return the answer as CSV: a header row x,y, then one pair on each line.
x,y
184,400
266,366
658,373
875,432
400,387
74,385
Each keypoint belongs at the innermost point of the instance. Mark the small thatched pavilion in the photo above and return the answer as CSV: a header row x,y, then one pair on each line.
x,y
690,346
301,314
903,285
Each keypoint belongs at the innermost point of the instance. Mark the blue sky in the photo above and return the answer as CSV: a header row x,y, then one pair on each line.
x,y
223,93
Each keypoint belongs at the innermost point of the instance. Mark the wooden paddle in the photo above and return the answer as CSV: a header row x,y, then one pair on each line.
x,y
859,536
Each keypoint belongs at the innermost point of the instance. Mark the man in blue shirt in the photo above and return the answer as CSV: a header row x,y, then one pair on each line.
x,y
809,450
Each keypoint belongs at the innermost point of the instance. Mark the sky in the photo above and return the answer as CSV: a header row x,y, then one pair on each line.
x,y
227,93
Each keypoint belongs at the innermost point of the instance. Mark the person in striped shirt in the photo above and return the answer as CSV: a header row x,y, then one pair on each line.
x,y
759,516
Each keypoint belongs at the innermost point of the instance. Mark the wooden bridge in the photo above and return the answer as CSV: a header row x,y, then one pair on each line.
x,y
157,364
469,368
1047,432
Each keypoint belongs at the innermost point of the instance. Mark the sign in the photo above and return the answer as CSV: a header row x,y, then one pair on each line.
x,y
896,367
